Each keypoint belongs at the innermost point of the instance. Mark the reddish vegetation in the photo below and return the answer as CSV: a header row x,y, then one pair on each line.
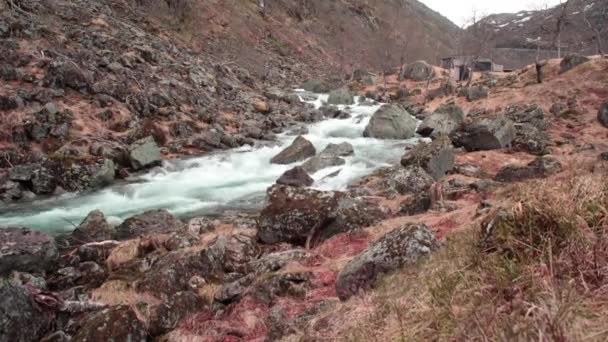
x,y
344,245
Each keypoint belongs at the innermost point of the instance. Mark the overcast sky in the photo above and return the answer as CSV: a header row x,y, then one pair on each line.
x,y
459,11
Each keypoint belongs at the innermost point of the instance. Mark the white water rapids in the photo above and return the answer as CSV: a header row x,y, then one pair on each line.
x,y
208,185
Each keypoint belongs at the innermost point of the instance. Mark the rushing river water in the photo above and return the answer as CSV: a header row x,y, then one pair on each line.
x,y
208,185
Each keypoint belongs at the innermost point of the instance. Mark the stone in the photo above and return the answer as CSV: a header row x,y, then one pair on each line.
x,y
302,216
43,182
417,204
93,228
391,122
571,61
476,93
292,214
538,168
410,180
341,97
316,86
338,150
418,71
25,250
299,150
436,158
105,174
23,172
262,107
320,162
488,134
166,316
20,318
602,114
150,222
144,153
296,177
402,246
119,323
445,120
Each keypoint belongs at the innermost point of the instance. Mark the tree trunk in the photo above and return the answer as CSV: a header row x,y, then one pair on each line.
x,y
539,72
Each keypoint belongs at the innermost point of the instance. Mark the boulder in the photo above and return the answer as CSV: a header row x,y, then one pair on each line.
x,y
391,122
300,215
538,168
144,153
43,182
341,97
476,93
571,61
316,86
488,134
338,150
150,222
299,150
402,246
296,177
436,158
228,254
119,323
292,214
93,228
23,172
20,318
445,120
602,114
410,180
105,174
418,71
320,162
417,204
165,317
25,250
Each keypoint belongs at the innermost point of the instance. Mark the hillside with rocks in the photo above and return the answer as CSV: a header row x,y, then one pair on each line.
x,y
159,184
514,38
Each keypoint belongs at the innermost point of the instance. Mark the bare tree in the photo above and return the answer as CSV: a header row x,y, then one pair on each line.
x,y
598,23
475,42
561,21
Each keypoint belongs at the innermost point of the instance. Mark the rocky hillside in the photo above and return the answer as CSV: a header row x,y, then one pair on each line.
x,y
83,82
516,37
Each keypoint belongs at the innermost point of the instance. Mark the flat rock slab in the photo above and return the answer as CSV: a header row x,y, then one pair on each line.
x,y
26,250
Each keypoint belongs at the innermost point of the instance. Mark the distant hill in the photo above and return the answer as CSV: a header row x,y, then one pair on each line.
x,y
516,36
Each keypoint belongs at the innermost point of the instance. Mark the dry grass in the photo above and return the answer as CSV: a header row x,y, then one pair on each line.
x,y
541,275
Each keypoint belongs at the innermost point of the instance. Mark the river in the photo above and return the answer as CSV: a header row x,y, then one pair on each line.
x,y
208,185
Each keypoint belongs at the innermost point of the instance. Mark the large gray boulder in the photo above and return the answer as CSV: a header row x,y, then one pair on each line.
x,y
445,120
419,71
410,180
26,250
341,97
297,215
403,246
436,158
299,150
105,174
150,222
475,93
488,134
602,114
391,122
20,318
144,153
571,61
